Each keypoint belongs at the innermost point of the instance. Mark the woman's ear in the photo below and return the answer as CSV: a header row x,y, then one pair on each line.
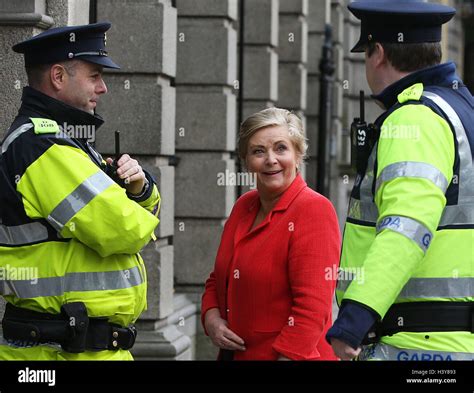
x,y
299,162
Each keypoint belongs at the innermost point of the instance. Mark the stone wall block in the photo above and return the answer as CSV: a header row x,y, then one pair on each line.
x,y
138,105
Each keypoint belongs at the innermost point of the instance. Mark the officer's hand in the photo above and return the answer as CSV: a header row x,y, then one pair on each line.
x,y
131,172
344,351
220,334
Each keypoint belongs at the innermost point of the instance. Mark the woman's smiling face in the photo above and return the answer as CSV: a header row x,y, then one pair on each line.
x,y
272,156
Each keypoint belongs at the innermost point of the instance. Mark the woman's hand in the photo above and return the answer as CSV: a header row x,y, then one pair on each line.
x,y
220,334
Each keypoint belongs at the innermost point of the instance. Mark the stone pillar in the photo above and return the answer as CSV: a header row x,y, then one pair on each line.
x,y
293,57
205,137
78,12
141,104
68,12
260,55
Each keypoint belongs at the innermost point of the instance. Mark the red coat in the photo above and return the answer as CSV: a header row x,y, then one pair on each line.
x,y
279,297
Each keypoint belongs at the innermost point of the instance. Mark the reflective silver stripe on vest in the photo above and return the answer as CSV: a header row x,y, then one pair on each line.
x,y
408,227
79,198
343,284
463,212
366,186
458,214
381,351
345,278
15,134
365,209
412,169
23,234
425,288
72,282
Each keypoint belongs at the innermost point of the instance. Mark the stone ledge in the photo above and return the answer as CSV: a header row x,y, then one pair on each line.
x,y
26,19
163,339
183,306
166,344
208,8
298,7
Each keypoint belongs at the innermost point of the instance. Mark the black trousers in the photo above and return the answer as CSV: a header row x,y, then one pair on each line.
x,y
226,355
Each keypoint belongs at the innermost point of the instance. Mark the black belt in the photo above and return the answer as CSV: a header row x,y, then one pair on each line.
x,y
72,329
424,317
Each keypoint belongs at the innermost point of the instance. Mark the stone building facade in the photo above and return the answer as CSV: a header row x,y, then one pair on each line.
x,y
192,70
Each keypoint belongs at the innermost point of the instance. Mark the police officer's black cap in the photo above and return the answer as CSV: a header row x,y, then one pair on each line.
x,y
399,21
86,42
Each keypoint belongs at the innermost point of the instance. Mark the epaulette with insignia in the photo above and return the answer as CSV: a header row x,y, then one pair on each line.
x,y
44,126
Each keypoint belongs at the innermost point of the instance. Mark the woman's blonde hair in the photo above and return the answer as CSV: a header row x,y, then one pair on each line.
x,y
274,117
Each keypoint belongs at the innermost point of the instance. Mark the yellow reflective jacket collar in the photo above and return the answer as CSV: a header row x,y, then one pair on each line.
x,y
439,75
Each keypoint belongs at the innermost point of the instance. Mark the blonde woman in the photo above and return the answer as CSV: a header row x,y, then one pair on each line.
x,y
268,297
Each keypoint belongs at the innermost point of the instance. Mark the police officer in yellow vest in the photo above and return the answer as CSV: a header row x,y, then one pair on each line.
x,y
406,283
70,235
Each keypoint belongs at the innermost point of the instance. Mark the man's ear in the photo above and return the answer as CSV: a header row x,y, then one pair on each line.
x,y
379,53
57,76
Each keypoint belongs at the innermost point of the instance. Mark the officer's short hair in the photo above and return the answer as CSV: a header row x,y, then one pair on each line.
x,y
274,117
409,57
37,72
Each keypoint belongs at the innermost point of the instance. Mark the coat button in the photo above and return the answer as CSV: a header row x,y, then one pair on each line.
x,y
227,310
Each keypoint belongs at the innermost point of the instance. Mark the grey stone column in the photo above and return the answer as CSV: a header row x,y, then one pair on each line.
x,y
293,57
260,55
68,12
205,137
141,104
